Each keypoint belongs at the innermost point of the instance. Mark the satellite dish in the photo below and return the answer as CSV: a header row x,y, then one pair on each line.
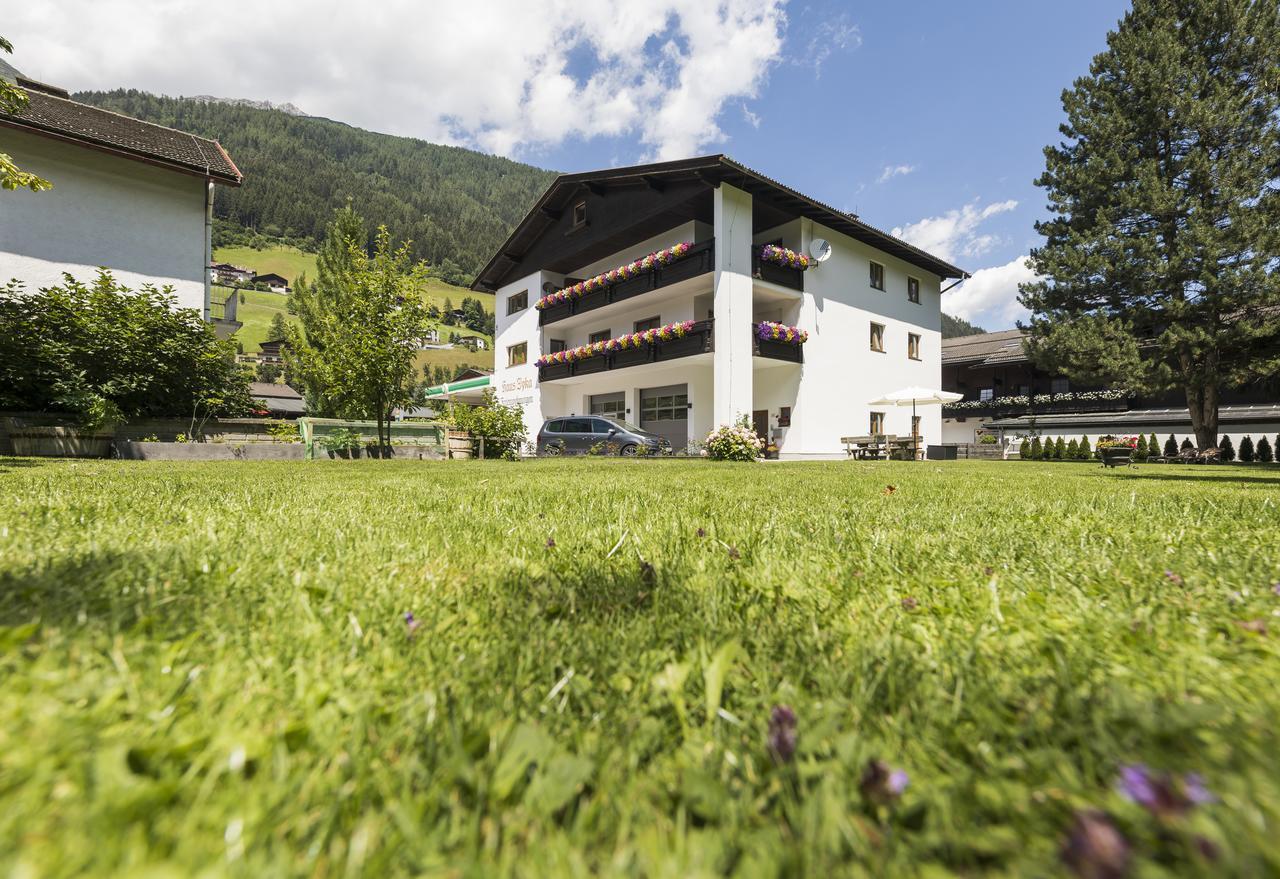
x,y
548,287
820,249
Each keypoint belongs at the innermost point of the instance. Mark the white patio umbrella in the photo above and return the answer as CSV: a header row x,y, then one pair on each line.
x,y
913,396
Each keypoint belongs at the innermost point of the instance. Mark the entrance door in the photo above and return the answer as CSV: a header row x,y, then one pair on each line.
x,y
665,411
760,422
614,405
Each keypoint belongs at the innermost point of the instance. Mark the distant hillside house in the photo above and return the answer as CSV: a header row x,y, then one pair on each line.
x,y
226,273
475,343
273,350
129,195
275,283
280,401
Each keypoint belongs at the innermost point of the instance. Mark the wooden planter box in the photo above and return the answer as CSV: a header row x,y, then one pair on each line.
x,y
632,356
694,343
642,283
776,350
554,371
599,363
783,276
555,313
593,300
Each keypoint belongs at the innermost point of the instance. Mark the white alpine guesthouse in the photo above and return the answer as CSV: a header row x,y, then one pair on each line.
x,y
684,295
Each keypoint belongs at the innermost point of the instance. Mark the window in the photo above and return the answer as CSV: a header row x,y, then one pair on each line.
x,y
557,345
517,355
665,407
913,346
877,423
913,289
987,394
877,337
517,302
877,276
554,427
784,416
599,425
599,336
580,214
576,425
608,404
1059,386
649,323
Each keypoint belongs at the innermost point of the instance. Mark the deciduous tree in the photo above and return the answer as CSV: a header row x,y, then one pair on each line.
x,y
14,100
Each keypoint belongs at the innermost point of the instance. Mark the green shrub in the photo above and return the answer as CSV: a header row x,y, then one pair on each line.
x,y
1264,451
1140,450
1171,447
1073,450
1186,444
1024,450
734,442
1246,449
1037,450
1085,452
1059,450
1226,450
341,440
1153,447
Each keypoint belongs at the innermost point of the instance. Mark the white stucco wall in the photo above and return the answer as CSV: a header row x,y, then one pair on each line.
x,y
146,224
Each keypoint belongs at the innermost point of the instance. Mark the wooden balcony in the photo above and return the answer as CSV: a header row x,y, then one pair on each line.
x,y
696,341
698,261
783,276
775,350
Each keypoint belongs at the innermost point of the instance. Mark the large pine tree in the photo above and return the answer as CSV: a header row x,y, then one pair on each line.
x,y
1160,263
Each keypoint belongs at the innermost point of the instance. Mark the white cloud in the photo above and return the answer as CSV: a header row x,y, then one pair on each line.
x,y
891,171
838,34
955,233
506,76
990,297
753,119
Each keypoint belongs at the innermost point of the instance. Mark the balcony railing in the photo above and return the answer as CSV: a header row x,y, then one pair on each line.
x,y
1004,407
783,276
774,349
698,261
697,341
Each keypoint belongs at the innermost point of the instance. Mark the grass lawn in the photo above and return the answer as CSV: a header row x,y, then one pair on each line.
x,y
206,668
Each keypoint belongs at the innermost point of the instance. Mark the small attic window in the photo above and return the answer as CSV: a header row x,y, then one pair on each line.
x,y
580,214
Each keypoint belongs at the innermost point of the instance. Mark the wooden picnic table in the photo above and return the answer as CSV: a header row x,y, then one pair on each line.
x,y
878,447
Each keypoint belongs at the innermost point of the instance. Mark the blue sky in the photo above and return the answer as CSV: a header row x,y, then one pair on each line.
x,y
928,119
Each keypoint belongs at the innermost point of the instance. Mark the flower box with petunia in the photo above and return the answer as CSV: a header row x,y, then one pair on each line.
x,y
769,331
615,276
784,256
667,333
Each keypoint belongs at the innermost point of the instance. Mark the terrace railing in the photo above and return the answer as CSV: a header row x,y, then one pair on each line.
x,y
697,341
775,350
698,261
783,276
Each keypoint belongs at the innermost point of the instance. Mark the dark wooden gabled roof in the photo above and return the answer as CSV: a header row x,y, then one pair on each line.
x,y
50,113
709,171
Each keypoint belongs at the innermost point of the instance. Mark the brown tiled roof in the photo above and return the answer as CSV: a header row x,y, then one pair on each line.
x,y
985,349
66,119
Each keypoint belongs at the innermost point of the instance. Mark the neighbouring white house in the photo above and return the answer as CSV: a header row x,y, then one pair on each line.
x,y
127,195
735,316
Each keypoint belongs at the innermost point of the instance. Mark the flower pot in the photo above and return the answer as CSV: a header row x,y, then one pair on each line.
x,y
1116,456
460,447
59,442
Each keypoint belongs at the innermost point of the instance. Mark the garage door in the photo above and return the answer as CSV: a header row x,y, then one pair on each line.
x,y
609,404
665,411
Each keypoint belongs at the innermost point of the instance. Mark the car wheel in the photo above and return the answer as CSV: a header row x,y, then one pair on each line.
x,y
552,450
628,451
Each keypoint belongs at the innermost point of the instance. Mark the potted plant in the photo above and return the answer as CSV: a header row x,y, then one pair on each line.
x,y
1116,451
458,422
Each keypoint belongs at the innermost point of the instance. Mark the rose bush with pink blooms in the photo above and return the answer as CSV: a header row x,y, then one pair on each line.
x,y
666,333
770,331
734,442
785,257
613,276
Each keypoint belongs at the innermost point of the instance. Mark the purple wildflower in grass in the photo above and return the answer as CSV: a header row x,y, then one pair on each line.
x,y
1162,794
411,623
551,543
881,784
702,532
909,603
1175,579
782,733
1095,848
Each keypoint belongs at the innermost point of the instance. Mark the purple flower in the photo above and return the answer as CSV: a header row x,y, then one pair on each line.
x,y
782,733
1136,784
1162,794
551,543
1173,578
411,623
1095,849
881,784
1194,787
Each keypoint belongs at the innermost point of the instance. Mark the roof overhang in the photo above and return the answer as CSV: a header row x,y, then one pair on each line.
x,y
711,170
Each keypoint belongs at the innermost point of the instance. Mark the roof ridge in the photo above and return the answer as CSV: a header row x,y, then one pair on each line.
x,y
124,116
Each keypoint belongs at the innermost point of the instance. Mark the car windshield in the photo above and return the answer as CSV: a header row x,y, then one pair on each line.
x,y
625,425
